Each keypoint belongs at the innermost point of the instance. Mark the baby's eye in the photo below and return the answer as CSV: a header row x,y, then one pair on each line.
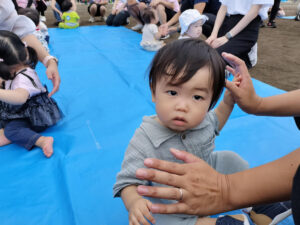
x,y
172,93
198,97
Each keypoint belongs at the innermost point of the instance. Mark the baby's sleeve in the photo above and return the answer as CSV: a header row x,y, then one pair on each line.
x,y
133,160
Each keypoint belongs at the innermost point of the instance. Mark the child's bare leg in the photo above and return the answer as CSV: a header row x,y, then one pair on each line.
x,y
3,139
46,144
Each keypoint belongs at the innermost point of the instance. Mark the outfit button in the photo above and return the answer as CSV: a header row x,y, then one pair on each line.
x,y
183,136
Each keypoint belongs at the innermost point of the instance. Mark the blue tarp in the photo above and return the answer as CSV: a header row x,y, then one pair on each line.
x,y
104,94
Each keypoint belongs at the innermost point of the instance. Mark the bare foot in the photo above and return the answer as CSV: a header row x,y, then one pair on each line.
x,y
3,139
46,144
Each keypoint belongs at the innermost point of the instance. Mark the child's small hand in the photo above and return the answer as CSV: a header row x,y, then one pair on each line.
x,y
228,97
139,213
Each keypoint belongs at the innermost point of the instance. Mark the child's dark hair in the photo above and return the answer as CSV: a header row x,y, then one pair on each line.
x,y
32,14
12,52
181,59
66,5
148,15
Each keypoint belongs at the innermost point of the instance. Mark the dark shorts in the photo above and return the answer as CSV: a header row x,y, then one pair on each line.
x,y
170,13
98,12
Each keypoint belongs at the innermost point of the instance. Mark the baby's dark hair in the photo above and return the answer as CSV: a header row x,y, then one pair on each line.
x,y
66,5
13,52
33,14
148,15
181,59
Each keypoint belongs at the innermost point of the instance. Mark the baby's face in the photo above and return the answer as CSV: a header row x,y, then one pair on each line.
x,y
182,107
195,29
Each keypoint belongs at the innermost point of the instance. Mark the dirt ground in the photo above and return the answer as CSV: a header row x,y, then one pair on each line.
x,y
278,50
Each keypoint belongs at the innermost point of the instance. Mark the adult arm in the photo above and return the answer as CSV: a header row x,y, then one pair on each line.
x,y
286,104
51,65
53,2
252,14
74,6
218,23
207,192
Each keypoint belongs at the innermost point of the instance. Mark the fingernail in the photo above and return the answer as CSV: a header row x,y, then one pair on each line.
x,y
148,162
142,190
141,173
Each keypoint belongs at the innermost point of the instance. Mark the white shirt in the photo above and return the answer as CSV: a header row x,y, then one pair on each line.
x,y
242,7
149,30
23,82
11,21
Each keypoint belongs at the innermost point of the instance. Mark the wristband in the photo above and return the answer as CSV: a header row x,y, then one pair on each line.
x,y
228,35
47,58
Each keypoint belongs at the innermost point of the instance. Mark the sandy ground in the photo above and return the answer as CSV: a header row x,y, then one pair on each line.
x,y
278,50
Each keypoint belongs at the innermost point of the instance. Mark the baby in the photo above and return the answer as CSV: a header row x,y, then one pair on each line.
x,y
191,22
186,79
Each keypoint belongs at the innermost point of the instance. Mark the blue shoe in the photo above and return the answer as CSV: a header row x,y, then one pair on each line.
x,y
229,220
270,214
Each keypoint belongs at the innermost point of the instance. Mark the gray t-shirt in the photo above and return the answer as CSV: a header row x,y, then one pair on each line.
x,y
152,140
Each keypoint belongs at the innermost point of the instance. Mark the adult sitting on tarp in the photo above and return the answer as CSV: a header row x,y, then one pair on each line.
x,y
24,28
56,6
207,7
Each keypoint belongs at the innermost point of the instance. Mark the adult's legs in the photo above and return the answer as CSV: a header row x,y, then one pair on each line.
x,y
110,19
209,24
56,15
134,9
161,12
41,7
121,18
241,44
274,10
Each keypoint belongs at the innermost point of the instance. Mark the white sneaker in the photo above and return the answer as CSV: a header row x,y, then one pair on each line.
x,y
253,55
103,18
92,19
43,18
137,27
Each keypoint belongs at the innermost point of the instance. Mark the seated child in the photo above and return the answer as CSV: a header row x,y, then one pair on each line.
x,y
119,14
97,8
25,108
186,79
151,34
70,18
191,22
42,35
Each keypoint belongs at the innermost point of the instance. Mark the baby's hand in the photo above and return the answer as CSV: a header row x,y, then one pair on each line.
x,y
139,213
228,97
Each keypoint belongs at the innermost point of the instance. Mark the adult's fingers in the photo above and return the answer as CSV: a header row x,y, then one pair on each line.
x,y
159,177
169,208
159,192
184,156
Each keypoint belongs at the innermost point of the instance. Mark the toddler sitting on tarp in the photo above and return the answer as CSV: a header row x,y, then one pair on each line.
x,y
70,18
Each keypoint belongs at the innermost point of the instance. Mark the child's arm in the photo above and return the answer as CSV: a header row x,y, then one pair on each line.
x,y
15,97
137,206
225,107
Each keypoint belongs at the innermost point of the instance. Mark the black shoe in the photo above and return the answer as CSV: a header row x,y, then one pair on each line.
x,y
56,23
262,24
271,24
297,18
